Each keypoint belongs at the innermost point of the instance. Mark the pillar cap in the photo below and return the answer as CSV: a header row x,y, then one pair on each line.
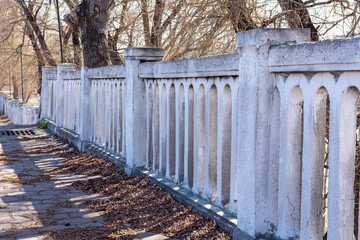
x,y
144,54
65,66
260,37
48,68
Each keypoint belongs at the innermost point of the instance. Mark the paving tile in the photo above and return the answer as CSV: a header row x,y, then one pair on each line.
x,y
32,207
5,226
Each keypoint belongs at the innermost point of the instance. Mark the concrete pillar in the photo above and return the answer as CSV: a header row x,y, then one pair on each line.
x,y
45,100
85,125
1,103
256,86
61,69
136,105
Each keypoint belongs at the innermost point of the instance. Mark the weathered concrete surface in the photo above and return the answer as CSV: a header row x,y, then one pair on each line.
x,y
33,202
330,55
224,65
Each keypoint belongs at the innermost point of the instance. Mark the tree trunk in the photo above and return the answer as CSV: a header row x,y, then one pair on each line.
x,y
73,22
93,16
76,46
299,16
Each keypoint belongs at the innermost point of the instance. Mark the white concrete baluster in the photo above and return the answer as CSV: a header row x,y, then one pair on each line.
x,y
233,174
290,163
189,95
341,160
103,113
219,164
199,138
155,128
162,127
149,123
96,112
206,192
171,126
92,107
115,111
180,131
107,114
168,128
124,131
118,120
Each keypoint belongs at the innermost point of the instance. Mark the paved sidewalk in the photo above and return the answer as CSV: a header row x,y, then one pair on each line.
x,y
33,202
41,196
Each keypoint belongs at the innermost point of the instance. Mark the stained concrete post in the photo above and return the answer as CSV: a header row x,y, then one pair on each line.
x,y
257,208
135,105
45,101
85,87
61,69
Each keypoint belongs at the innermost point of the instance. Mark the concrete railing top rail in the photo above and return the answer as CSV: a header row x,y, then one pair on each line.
x,y
72,75
111,72
331,55
223,65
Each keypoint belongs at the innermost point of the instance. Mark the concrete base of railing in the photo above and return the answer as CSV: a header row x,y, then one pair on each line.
x,y
225,220
73,138
51,125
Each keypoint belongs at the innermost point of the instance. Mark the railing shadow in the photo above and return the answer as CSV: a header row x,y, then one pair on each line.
x,y
33,202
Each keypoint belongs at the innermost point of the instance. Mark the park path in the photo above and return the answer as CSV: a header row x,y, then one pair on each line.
x,y
33,202
50,191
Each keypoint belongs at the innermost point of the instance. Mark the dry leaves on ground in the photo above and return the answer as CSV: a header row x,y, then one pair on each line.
x,y
133,205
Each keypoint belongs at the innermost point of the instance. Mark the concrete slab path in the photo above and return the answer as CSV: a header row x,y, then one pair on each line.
x,y
34,202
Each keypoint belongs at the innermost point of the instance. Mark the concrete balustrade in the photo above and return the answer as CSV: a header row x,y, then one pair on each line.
x,y
246,131
17,112
106,126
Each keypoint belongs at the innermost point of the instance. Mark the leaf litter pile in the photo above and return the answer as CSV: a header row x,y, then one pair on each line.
x,y
132,205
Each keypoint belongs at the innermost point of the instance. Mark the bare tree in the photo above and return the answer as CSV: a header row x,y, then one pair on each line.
x,y
73,32
93,17
31,18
